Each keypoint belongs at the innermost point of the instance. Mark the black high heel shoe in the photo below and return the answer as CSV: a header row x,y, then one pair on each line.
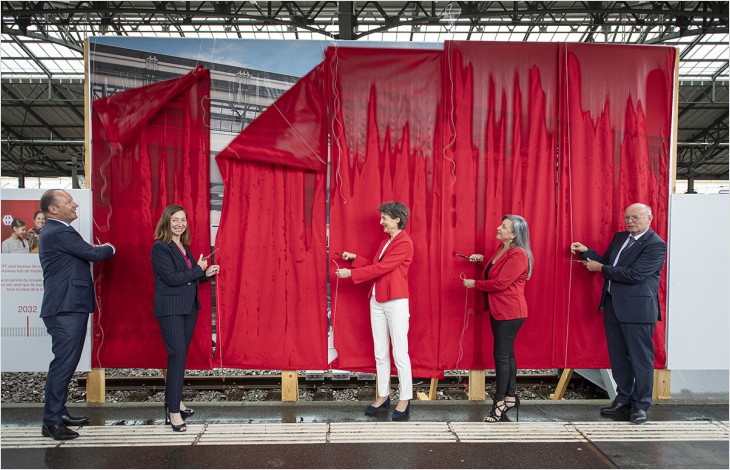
x,y
497,413
175,427
515,406
373,410
187,412
398,415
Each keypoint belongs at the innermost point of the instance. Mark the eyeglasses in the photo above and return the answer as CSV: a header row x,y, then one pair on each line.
x,y
634,218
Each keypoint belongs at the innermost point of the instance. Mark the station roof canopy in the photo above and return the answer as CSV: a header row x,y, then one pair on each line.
x,y
43,61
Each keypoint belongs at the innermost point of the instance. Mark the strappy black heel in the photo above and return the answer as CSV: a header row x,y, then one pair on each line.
x,y
514,405
498,412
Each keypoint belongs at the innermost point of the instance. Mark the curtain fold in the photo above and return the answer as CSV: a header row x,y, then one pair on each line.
x,y
386,145
271,307
616,139
290,131
150,148
501,118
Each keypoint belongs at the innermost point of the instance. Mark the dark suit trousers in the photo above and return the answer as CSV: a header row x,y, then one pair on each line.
x,y
631,352
177,332
68,331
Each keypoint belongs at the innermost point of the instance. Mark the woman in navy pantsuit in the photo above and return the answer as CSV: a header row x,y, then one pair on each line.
x,y
176,303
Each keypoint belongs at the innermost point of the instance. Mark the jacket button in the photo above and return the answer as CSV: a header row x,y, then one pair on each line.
x,y
189,283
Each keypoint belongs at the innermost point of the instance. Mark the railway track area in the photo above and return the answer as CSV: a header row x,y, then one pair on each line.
x,y
328,387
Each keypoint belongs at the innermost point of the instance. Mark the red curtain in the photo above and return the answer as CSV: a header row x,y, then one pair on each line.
x,y
386,145
151,148
271,308
615,151
291,132
501,121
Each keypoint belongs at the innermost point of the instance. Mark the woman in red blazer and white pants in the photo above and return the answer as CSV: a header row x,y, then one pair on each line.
x,y
503,282
389,312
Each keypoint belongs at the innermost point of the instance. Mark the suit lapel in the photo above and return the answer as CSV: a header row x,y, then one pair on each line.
x,y
390,247
177,253
630,253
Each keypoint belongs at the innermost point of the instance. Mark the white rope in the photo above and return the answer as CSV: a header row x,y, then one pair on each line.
x,y
465,323
452,120
334,301
570,204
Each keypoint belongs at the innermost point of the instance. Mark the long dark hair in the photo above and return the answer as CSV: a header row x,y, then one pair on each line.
x,y
163,232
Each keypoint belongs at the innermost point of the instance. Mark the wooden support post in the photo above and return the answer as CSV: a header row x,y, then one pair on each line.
x,y
289,385
95,387
662,382
562,385
477,384
431,391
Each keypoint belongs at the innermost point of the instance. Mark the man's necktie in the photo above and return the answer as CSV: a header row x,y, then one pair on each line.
x,y
632,240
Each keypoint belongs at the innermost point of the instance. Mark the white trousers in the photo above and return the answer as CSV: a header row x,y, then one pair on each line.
x,y
389,322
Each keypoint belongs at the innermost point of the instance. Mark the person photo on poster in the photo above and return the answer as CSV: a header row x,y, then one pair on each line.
x,y
16,242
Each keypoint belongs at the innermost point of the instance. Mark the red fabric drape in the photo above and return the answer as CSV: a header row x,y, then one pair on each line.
x,y
272,138
271,310
151,148
545,131
501,116
617,136
386,145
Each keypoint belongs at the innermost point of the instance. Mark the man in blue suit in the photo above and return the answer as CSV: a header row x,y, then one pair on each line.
x,y
631,270
68,298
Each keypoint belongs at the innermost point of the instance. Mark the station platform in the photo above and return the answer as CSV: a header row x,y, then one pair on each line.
x,y
437,434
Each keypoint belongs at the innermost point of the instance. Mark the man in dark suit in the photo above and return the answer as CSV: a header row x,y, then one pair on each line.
x,y
631,269
68,298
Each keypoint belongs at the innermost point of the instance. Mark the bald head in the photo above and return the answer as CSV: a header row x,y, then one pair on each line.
x,y
637,218
58,204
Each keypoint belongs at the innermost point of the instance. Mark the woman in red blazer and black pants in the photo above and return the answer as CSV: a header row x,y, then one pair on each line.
x,y
503,282
389,312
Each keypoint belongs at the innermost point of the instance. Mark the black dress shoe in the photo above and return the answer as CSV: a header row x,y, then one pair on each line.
x,y
59,432
616,408
398,415
187,412
638,417
373,410
69,420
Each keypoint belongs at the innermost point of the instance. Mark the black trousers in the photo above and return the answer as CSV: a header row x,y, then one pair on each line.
x,y
177,332
68,332
505,332
631,352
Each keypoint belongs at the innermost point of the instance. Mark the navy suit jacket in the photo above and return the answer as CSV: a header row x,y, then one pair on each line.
x,y
65,258
635,278
176,285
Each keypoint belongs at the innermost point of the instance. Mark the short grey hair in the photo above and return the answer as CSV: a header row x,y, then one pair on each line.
x,y
522,237
396,210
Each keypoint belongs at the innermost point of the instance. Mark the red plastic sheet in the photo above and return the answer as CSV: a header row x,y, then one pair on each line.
x,y
271,310
386,145
501,127
151,148
616,151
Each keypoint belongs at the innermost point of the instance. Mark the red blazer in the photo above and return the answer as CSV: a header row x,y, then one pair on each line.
x,y
390,273
506,285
